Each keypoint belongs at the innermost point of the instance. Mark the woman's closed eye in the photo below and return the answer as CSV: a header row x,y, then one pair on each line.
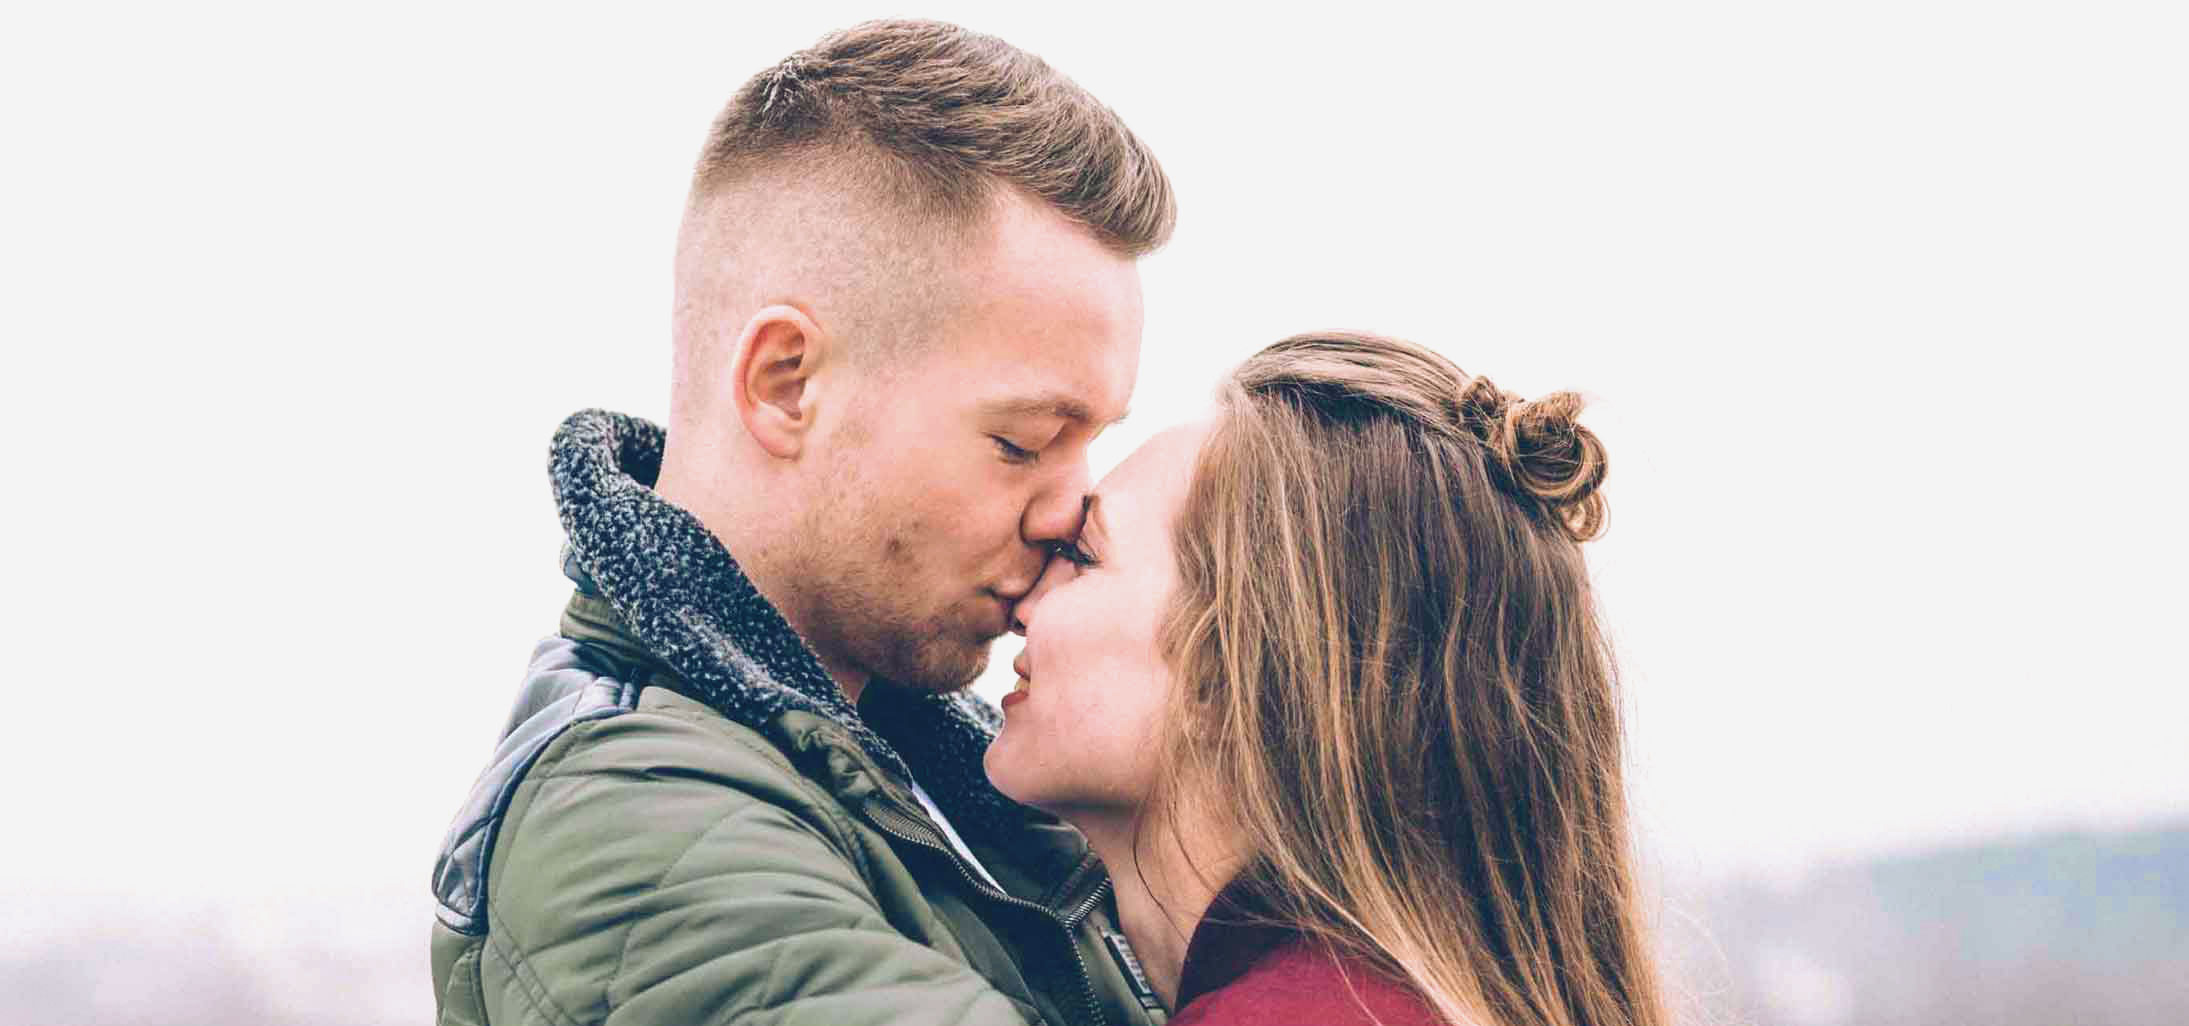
x,y
1075,553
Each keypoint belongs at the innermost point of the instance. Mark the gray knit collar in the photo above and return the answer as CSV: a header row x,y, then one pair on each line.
x,y
683,597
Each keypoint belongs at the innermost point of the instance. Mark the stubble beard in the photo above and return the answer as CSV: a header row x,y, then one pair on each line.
x,y
897,646
867,611
932,660
866,600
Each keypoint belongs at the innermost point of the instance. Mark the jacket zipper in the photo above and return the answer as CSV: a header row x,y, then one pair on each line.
x,y
1066,922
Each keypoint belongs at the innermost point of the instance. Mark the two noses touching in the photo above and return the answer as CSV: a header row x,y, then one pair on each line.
x,y
1054,516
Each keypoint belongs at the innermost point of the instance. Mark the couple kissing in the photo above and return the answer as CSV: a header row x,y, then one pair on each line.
x,y
1314,721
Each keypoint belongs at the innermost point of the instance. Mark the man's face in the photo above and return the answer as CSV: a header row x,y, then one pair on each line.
x,y
955,471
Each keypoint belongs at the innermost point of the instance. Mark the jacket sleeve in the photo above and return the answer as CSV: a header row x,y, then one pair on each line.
x,y
660,870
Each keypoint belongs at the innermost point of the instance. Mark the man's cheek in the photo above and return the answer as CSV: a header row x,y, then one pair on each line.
x,y
899,547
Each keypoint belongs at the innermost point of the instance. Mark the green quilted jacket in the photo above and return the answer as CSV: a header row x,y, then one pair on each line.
x,y
685,822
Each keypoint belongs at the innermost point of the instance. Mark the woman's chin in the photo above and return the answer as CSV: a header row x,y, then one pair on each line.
x,y
1020,775
1001,769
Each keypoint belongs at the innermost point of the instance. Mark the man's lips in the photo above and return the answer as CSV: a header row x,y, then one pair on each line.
x,y
1000,623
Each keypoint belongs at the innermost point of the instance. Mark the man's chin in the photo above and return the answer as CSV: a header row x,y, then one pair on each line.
x,y
941,669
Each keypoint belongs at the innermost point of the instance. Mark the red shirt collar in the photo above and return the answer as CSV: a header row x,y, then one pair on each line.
x,y
1236,931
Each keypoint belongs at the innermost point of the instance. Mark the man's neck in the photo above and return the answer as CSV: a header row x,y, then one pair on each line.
x,y
847,677
1164,883
758,560
776,583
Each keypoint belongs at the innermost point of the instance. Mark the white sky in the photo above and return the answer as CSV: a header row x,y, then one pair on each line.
x,y
1882,304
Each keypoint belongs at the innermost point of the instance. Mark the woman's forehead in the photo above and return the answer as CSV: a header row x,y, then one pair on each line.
x,y
1152,481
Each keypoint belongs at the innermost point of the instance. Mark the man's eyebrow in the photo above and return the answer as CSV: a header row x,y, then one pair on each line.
x,y
1063,407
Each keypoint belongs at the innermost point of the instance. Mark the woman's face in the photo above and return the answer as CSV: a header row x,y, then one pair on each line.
x,y
1079,730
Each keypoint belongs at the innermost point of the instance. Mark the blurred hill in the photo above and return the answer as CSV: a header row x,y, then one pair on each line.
x,y
2068,928
111,959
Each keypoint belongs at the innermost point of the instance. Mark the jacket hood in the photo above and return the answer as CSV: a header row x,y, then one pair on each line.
x,y
683,597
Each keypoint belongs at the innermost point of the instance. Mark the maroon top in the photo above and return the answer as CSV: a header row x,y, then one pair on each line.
x,y
1238,974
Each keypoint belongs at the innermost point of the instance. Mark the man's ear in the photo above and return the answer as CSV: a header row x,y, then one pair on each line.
x,y
776,357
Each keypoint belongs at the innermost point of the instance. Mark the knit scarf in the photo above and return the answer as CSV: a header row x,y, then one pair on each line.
x,y
682,595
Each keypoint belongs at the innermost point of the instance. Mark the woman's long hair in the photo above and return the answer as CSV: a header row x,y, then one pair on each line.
x,y
1390,661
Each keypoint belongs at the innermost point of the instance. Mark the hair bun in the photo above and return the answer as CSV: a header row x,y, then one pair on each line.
x,y
1543,453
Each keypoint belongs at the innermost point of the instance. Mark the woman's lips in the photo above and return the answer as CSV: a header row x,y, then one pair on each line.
x,y
1020,689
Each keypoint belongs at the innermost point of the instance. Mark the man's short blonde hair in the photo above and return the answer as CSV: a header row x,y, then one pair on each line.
x,y
937,118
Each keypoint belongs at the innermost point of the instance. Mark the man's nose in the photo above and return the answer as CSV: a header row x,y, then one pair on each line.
x,y
1055,512
1022,611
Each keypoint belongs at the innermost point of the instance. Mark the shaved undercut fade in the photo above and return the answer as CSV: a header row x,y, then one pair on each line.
x,y
937,117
